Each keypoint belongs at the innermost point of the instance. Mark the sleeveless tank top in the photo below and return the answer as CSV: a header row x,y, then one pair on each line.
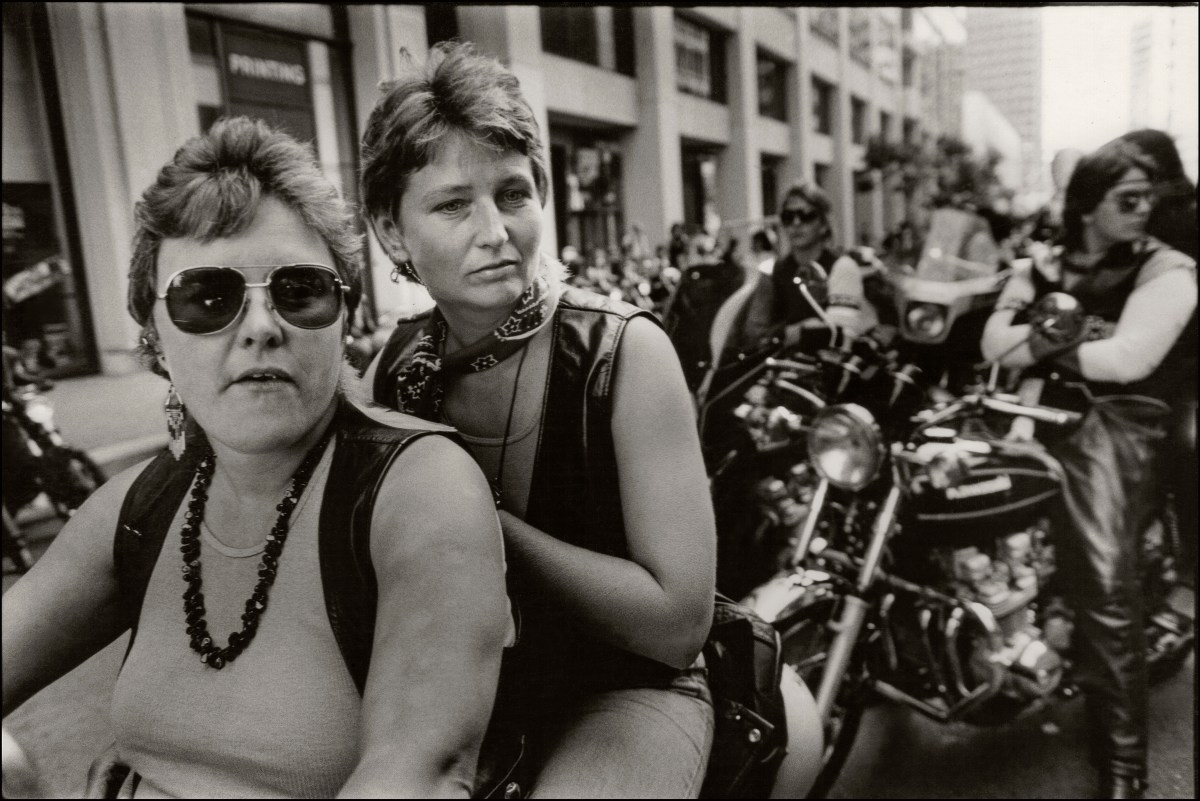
x,y
280,721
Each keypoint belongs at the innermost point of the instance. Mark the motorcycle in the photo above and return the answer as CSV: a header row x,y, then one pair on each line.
x,y
920,559
942,317
37,460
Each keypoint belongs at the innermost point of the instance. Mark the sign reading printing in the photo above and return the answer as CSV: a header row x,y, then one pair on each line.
x,y
262,68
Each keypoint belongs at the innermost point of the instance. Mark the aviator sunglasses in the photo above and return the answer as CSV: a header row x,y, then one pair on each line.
x,y
208,299
1129,202
789,216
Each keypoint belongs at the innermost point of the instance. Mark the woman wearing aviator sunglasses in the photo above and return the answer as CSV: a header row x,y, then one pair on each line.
x,y
251,671
809,275
1140,297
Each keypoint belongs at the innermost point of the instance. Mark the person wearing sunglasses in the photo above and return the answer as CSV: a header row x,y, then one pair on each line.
x,y
576,408
239,679
810,280
1140,336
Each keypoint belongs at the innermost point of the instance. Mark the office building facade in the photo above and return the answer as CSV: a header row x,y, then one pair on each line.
x,y
653,115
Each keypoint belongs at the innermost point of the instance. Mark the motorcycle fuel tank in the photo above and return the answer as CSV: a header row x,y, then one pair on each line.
x,y
997,492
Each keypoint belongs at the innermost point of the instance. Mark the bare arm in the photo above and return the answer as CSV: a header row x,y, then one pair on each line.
x,y
1153,318
440,628
1001,339
65,608
657,603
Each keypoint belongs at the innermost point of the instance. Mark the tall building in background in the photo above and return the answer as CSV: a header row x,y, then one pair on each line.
x,y
1163,78
1004,62
939,34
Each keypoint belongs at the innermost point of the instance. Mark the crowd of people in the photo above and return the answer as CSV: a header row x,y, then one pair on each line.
x,y
371,586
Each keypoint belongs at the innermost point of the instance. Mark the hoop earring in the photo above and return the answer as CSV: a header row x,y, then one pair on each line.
x,y
176,423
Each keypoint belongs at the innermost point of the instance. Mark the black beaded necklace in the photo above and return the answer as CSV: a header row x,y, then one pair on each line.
x,y
193,598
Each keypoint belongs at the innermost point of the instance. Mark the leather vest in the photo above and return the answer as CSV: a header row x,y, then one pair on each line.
x,y
574,494
1103,293
790,305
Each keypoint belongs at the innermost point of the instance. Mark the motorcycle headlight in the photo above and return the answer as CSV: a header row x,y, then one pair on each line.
x,y
927,320
845,446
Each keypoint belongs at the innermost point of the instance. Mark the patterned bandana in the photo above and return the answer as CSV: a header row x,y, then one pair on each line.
x,y
421,383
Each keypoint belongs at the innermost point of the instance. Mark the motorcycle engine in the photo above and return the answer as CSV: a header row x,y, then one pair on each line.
x,y
1005,579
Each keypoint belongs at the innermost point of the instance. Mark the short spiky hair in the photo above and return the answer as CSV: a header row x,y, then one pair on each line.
x,y
457,91
212,187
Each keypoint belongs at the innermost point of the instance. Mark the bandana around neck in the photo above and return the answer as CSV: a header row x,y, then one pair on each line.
x,y
421,384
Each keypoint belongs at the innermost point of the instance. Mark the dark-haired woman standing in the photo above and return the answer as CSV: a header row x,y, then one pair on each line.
x,y
1140,297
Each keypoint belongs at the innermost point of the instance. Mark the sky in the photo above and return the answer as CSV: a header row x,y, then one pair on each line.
x,y
1085,75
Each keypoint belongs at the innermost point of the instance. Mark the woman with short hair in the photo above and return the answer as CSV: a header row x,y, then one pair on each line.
x,y
244,276
575,406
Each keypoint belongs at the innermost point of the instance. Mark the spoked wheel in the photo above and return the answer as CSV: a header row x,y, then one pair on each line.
x,y
806,639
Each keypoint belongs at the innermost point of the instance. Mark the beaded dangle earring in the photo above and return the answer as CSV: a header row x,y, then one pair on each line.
x,y
176,423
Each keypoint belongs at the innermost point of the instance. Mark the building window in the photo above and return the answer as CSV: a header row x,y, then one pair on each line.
x,y
586,176
46,312
772,88
700,190
824,23
910,131
822,106
858,120
441,23
908,67
570,32
885,126
887,53
860,36
823,175
623,40
699,60
769,169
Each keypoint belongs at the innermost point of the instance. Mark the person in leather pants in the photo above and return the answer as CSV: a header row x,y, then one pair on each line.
x,y
1140,299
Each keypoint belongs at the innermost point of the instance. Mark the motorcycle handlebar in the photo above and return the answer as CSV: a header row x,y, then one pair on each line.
x,y
1042,414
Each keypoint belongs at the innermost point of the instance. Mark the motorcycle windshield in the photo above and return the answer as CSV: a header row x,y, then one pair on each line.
x,y
946,291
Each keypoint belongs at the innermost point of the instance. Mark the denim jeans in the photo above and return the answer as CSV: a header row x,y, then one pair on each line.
x,y
635,743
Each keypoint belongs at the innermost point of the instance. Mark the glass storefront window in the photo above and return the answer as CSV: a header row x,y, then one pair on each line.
x,y
587,175
46,315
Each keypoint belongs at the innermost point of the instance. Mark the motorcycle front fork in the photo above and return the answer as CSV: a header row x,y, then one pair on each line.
x,y
849,624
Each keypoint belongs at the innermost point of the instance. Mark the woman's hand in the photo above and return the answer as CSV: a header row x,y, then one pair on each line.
x,y
658,602
441,625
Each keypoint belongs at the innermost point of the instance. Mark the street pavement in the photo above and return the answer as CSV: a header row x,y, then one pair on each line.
x,y
899,754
